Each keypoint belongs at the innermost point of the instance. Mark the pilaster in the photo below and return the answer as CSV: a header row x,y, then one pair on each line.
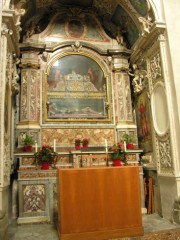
x,y
30,98
123,114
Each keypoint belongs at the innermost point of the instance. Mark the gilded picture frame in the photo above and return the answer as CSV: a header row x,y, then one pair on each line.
x,y
76,89
143,119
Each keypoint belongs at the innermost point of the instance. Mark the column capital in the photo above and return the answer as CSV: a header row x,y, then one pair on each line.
x,y
120,58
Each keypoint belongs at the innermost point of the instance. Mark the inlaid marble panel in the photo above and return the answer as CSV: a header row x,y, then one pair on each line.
x,y
66,137
34,198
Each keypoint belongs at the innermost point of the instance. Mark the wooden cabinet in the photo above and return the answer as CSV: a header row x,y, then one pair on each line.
x,y
99,203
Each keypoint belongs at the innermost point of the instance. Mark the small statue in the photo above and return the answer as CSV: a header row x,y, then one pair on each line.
x,y
146,23
138,80
44,56
119,36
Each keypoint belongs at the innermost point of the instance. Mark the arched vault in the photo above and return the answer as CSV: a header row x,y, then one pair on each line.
x,y
129,19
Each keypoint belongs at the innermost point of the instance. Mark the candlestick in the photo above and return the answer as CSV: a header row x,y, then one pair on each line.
x,y
124,146
35,146
105,142
106,145
54,145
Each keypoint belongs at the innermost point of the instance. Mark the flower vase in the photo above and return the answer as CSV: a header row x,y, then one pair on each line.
x,y
27,148
117,162
130,145
45,166
85,145
77,147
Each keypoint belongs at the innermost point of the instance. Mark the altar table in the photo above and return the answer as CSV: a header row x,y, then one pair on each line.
x,y
99,203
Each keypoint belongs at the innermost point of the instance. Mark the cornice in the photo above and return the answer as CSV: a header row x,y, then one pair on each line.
x,y
144,43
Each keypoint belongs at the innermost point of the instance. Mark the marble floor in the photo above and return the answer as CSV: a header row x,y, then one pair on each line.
x,y
151,223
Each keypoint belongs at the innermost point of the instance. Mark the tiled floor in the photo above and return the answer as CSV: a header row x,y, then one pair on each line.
x,y
151,223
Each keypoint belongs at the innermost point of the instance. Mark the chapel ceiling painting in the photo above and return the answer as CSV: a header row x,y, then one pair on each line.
x,y
128,28
141,6
112,14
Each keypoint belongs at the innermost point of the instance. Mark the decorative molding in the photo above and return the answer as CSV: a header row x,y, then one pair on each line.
x,y
146,24
6,160
155,66
122,98
15,78
144,45
28,64
34,98
5,30
24,94
165,154
76,46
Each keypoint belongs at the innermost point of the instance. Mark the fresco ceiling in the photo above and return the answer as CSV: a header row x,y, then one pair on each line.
x,y
113,14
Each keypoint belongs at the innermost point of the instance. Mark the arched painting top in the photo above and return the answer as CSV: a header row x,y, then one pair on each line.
x,y
76,89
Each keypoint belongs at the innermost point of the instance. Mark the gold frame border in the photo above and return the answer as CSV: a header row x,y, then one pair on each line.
x,y
106,75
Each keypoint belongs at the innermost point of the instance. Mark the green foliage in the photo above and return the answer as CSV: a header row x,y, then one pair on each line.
x,y
127,138
46,154
28,140
118,152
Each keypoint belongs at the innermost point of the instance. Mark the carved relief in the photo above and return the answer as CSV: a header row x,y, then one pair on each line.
x,y
27,161
146,24
6,160
128,102
44,56
123,108
33,95
155,66
24,94
15,78
165,158
138,81
18,14
5,30
119,105
34,198
76,46
7,108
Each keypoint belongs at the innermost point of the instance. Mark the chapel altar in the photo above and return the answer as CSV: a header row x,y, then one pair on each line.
x,y
68,91
87,69
37,191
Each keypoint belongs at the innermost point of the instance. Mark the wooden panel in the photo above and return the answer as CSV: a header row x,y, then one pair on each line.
x,y
103,202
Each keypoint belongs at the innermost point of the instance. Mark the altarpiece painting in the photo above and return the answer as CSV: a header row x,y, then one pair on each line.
x,y
76,88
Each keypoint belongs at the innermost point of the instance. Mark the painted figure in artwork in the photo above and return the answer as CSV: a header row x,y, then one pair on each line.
x,y
143,120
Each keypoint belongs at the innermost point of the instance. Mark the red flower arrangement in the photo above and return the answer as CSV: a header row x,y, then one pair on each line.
x,y
118,152
85,141
45,154
77,141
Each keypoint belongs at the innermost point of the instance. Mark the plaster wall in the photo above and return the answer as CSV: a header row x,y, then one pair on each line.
x,y
173,36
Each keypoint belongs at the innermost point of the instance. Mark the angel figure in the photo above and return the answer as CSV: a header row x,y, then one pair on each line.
x,y
76,47
146,23
119,36
139,76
